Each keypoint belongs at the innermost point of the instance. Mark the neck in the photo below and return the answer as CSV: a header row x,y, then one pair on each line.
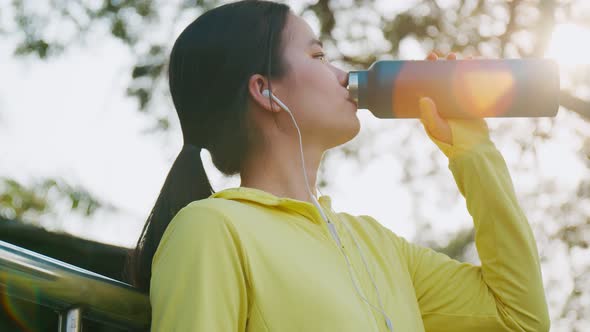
x,y
277,169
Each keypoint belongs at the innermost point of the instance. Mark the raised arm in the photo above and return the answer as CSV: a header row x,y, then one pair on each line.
x,y
506,292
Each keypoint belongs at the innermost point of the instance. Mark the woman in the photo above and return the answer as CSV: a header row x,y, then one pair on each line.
x,y
267,256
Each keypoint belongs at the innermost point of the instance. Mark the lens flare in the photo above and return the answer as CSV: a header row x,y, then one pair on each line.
x,y
26,320
474,89
484,93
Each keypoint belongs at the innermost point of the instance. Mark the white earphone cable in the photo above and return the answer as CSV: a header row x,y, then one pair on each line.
x,y
314,200
387,320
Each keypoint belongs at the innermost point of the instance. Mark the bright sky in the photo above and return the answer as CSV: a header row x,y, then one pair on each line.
x,y
566,47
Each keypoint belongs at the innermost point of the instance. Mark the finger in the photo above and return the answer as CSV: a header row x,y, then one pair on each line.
x,y
427,110
432,56
451,56
432,121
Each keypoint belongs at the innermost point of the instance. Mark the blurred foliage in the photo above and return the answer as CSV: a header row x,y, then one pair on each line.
x,y
28,202
356,33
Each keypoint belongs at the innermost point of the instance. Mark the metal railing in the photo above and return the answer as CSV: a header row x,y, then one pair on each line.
x,y
73,292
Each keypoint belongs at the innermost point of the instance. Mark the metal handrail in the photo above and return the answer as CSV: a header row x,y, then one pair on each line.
x,y
36,278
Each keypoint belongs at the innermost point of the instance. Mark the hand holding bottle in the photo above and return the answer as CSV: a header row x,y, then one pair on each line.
x,y
434,124
452,136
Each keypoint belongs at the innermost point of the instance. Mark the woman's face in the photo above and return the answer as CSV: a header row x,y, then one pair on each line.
x,y
314,90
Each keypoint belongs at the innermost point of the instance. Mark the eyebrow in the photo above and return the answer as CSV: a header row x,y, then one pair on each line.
x,y
316,42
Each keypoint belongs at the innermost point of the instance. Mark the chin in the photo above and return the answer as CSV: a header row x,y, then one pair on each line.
x,y
345,133
356,128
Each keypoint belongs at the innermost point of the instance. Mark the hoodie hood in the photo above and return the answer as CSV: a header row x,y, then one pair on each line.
x,y
245,194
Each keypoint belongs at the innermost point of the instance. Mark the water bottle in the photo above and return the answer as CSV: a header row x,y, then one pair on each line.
x,y
461,89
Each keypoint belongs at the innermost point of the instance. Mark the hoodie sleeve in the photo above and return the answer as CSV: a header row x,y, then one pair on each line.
x,y
198,279
506,292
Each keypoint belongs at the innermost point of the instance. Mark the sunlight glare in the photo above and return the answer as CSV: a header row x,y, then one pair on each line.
x,y
569,46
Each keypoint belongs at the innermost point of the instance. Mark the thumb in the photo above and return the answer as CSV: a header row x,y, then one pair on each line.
x,y
427,113
433,123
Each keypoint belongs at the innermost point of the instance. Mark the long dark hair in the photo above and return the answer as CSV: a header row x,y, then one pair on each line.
x,y
210,65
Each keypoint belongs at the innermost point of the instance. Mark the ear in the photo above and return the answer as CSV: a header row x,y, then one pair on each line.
x,y
256,84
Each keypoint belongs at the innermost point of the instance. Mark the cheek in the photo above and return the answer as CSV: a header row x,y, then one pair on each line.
x,y
312,91
314,77
318,93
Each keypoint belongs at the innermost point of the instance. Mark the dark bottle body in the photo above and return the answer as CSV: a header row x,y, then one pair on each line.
x,y
461,89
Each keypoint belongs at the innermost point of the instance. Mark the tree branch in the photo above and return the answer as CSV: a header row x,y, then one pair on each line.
x,y
575,104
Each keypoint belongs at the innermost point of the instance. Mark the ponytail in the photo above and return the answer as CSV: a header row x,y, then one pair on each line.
x,y
186,182
210,65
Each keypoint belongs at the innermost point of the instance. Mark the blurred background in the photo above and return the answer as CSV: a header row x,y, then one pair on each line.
x,y
88,131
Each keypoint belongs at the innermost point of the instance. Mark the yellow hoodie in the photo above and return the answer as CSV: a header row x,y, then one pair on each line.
x,y
246,260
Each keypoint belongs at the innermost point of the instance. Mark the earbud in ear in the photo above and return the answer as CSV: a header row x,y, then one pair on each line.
x,y
266,93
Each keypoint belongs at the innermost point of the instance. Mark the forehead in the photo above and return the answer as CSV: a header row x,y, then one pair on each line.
x,y
299,33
